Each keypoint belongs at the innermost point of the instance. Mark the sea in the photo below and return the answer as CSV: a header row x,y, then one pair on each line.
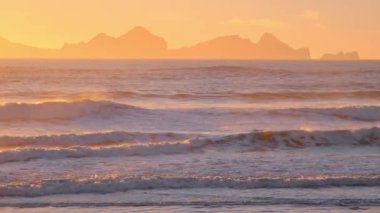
x,y
189,136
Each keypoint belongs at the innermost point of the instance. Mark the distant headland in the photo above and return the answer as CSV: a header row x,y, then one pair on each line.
x,y
139,43
342,56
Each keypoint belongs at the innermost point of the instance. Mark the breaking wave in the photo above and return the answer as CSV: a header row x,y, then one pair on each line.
x,y
90,139
309,95
358,113
102,186
47,111
249,96
66,111
118,144
353,204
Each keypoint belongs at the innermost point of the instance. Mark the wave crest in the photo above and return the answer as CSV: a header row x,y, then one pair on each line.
x,y
90,139
259,95
51,187
48,111
116,144
68,111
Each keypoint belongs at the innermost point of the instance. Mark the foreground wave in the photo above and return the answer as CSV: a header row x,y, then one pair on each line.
x,y
353,204
90,139
258,96
51,187
145,144
68,111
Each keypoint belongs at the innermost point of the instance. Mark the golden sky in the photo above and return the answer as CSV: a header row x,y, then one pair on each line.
x,y
325,26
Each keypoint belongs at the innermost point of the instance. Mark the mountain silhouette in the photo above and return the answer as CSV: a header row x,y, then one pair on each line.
x,y
137,43
222,47
10,49
269,47
141,43
236,47
342,56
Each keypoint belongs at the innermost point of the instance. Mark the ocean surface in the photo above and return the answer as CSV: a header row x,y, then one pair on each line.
x,y
189,136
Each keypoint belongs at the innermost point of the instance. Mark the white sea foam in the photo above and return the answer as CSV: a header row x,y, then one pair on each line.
x,y
112,145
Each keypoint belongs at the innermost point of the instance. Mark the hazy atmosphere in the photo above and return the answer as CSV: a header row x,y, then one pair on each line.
x,y
175,106
324,26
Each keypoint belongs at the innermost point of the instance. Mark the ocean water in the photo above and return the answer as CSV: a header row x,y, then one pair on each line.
x,y
189,136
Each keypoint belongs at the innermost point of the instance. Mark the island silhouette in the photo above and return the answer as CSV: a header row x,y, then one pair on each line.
x,y
139,43
341,56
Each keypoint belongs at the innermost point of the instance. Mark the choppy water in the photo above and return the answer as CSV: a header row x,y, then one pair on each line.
x,y
189,136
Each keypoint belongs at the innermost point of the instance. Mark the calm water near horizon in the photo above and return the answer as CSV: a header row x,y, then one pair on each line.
x,y
174,136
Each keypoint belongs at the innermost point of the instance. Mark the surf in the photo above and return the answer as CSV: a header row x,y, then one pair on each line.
x,y
73,110
118,144
104,186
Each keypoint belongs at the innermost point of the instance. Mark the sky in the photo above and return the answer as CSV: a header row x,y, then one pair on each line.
x,y
324,26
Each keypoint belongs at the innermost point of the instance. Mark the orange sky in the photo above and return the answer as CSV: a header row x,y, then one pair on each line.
x,y
325,26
